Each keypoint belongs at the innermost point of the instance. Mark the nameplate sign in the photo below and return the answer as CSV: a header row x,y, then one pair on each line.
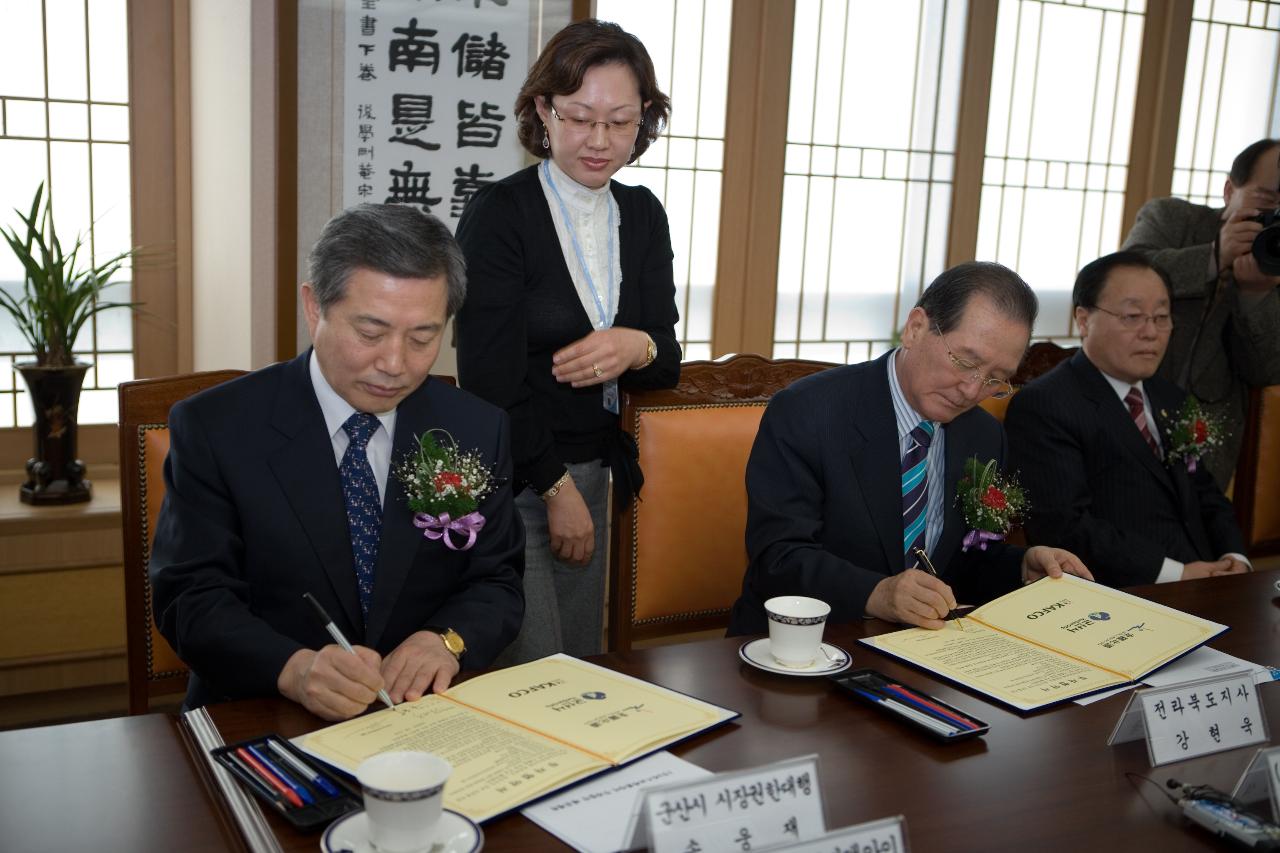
x,y
751,809
1260,781
888,835
1195,718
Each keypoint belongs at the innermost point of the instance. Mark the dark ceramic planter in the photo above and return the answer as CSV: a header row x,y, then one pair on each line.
x,y
54,474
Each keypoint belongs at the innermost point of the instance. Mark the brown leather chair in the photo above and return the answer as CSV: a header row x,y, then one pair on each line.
x,y
678,554
1257,485
154,669
1041,357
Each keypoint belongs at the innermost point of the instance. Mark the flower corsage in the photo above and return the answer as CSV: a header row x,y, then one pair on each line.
x,y
445,486
1191,434
989,502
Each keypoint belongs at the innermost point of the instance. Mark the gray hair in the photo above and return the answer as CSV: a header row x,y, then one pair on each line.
x,y
945,299
393,239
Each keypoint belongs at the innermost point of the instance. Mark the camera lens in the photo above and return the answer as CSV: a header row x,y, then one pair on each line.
x,y
1266,248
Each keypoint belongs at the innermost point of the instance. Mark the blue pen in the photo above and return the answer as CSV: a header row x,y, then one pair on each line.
x,y
308,773
923,709
928,720
302,792
254,781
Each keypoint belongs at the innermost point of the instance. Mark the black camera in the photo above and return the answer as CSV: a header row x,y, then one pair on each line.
x,y
1266,246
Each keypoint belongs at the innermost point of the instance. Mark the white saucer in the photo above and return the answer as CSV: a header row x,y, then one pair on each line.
x,y
455,833
756,653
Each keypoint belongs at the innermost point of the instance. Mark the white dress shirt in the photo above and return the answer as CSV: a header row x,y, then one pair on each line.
x,y
336,411
589,211
908,419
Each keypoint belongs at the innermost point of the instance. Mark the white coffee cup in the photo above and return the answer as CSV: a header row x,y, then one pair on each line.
x,y
403,799
795,628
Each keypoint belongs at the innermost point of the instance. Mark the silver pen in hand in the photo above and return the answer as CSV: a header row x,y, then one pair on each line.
x,y
339,639
954,614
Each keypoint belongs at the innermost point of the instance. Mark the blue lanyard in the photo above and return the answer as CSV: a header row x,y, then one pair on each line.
x,y
606,319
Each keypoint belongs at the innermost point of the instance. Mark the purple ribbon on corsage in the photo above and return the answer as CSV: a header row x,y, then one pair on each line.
x,y
439,527
980,538
1191,464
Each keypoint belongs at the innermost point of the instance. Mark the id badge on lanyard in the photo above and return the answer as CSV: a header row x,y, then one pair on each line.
x,y
609,389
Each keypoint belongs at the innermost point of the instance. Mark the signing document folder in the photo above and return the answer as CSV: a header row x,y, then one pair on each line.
x,y
1051,641
515,734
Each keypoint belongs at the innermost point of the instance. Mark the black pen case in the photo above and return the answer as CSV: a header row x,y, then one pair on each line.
x,y
874,688
309,816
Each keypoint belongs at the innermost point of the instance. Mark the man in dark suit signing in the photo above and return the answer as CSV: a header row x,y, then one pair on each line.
x,y
856,467
1091,440
279,484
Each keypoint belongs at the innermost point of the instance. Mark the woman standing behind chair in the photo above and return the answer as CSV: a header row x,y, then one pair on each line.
x,y
570,295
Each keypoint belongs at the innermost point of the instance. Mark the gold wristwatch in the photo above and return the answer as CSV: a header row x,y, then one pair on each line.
x,y
452,641
651,352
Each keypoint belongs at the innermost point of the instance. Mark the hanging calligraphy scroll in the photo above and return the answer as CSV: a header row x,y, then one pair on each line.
x,y
429,87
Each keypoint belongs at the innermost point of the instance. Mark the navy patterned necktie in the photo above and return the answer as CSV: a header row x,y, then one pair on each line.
x,y
1139,414
364,507
915,491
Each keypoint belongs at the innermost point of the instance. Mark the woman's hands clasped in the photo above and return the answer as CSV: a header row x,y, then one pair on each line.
x,y
600,356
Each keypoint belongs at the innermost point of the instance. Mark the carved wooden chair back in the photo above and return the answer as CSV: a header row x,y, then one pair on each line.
x,y
1041,357
154,668
1256,493
678,554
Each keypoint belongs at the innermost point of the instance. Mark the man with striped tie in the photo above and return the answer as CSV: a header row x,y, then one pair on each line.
x,y
1092,439
854,469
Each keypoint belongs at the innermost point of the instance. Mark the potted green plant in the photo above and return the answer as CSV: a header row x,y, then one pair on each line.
x,y
60,292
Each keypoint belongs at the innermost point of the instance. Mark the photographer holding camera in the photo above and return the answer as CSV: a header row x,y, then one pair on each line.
x,y
1226,308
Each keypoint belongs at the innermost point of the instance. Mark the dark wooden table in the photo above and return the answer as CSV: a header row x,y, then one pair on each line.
x,y
1044,781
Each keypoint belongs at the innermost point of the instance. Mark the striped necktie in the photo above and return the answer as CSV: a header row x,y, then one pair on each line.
x,y
915,491
364,507
1134,401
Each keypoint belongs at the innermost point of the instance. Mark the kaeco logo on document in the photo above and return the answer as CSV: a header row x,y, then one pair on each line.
x,y
1045,611
1080,624
534,688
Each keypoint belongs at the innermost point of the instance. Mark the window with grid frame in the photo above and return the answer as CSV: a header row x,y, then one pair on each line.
x,y
1057,149
688,41
870,150
64,121
1230,92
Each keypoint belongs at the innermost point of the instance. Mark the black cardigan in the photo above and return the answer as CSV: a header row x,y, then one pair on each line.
x,y
521,307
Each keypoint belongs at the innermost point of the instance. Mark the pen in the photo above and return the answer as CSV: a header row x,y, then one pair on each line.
x,y
937,709
924,558
311,775
251,777
266,775
284,777
339,639
910,713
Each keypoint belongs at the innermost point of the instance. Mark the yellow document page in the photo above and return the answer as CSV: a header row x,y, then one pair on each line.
x,y
496,765
1108,628
517,733
595,709
1052,640
1016,672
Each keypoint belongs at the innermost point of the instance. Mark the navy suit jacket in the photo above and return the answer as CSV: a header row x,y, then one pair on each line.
x,y
1099,491
253,517
824,499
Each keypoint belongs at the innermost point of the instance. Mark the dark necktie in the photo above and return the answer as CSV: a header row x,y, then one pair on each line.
x,y
364,507
915,491
1134,401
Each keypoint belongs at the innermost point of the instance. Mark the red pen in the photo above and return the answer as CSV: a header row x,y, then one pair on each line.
x,y
269,777
899,690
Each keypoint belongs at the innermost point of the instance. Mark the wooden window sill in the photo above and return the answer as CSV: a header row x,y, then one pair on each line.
x,y
100,513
